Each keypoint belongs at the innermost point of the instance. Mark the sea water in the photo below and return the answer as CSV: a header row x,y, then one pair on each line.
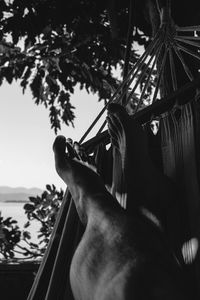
x,y
14,210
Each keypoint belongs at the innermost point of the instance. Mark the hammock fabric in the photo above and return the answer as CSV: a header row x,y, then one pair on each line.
x,y
118,188
180,163
104,164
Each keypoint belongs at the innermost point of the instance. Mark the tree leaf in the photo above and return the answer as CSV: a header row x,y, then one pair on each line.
x,y
29,207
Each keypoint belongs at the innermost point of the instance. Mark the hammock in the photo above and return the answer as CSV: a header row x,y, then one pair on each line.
x,y
52,279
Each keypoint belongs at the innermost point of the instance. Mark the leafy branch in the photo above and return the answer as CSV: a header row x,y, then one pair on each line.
x,y
41,209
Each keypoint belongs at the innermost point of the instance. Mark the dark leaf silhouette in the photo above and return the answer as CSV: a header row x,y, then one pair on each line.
x,y
29,207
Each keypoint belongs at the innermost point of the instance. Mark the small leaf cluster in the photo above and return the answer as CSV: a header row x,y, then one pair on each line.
x,y
10,236
44,209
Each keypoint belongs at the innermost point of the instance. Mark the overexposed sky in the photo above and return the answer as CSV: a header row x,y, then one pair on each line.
x,y
26,156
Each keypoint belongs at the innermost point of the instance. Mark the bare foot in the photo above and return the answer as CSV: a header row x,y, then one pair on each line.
x,y
85,185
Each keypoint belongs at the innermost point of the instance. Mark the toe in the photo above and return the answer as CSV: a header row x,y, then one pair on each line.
x,y
80,151
59,145
59,148
70,149
69,141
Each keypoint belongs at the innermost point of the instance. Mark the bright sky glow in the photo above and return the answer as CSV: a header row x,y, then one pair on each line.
x,y
26,156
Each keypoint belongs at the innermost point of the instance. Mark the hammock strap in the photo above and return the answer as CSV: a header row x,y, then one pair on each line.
x,y
185,67
173,72
160,76
188,28
190,52
187,37
128,45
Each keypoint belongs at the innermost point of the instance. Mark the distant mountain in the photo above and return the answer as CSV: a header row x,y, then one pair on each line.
x,y
18,194
10,190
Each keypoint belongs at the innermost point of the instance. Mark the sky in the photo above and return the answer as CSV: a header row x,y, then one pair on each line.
x,y
26,137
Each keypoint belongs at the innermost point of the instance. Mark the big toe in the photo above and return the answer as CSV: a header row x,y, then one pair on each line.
x,y
59,145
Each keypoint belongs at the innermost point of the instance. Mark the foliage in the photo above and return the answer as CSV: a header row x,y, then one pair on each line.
x,y
41,209
51,46
44,210
9,236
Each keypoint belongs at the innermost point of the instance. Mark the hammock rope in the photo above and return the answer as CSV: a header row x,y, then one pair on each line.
x,y
128,45
187,39
188,51
188,28
154,52
173,71
185,67
168,37
149,78
119,94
